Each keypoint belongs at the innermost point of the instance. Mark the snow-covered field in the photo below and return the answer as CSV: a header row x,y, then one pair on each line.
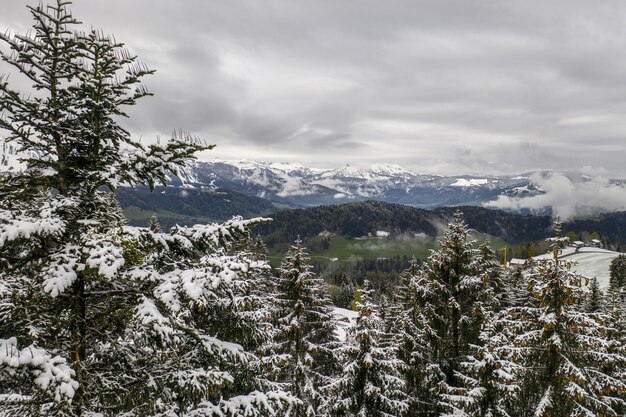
x,y
345,319
589,262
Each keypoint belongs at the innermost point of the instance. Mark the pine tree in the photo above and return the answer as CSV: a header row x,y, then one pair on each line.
x,y
370,385
258,249
497,295
594,300
517,284
114,319
488,385
306,327
348,287
406,324
615,312
485,379
155,226
450,299
563,350
618,271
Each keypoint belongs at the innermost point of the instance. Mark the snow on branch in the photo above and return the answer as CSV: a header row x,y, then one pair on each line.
x,y
150,166
254,404
61,272
19,225
218,235
104,256
50,374
149,316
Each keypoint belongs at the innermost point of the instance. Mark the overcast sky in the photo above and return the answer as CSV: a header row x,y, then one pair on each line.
x,y
451,87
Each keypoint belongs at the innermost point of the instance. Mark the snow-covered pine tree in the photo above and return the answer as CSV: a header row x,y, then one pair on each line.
x,y
450,297
258,248
593,303
488,387
562,349
306,330
204,309
494,276
370,384
155,226
517,287
97,317
617,271
615,311
486,383
407,329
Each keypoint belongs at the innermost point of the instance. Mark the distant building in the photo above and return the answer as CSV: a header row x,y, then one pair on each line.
x,y
595,243
517,263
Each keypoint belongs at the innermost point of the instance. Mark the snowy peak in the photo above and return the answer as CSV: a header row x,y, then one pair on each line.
x,y
302,186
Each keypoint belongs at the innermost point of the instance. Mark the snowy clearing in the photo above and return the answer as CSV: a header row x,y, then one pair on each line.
x,y
589,262
345,319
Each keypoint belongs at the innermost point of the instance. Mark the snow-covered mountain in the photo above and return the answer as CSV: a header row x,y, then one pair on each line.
x,y
297,185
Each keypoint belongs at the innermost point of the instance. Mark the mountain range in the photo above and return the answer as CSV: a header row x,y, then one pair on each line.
x,y
220,189
299,186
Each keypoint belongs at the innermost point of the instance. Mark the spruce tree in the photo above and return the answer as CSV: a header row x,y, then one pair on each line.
x,y
306,330
450,299
408,330
593,304
617,271
564,352
370,384
488,384
497,295
155,226
115,320
615,313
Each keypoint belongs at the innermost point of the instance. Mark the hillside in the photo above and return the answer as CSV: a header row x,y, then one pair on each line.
x,y
589,262
364,218
188,206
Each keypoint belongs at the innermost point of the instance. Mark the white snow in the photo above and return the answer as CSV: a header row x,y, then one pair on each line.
x,y
382,233
49,373
345,320
472,182
588,262
391,170
104,256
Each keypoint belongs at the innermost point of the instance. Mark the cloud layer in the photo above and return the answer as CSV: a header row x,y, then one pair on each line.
x,y
569,197
439,86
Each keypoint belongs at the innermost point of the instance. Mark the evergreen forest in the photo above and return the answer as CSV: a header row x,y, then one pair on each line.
x,y
99,318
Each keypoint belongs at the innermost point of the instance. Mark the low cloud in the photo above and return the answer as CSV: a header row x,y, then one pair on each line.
x,y
569,197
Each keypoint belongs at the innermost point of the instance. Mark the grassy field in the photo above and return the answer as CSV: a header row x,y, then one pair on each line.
x,y
351,250
139,217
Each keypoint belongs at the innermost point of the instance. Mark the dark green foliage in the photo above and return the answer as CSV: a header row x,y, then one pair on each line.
x,y
618,271
594,299
350,220
513,228
187,206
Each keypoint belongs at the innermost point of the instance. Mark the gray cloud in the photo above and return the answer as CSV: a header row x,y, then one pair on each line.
x,y
442,86
569,197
